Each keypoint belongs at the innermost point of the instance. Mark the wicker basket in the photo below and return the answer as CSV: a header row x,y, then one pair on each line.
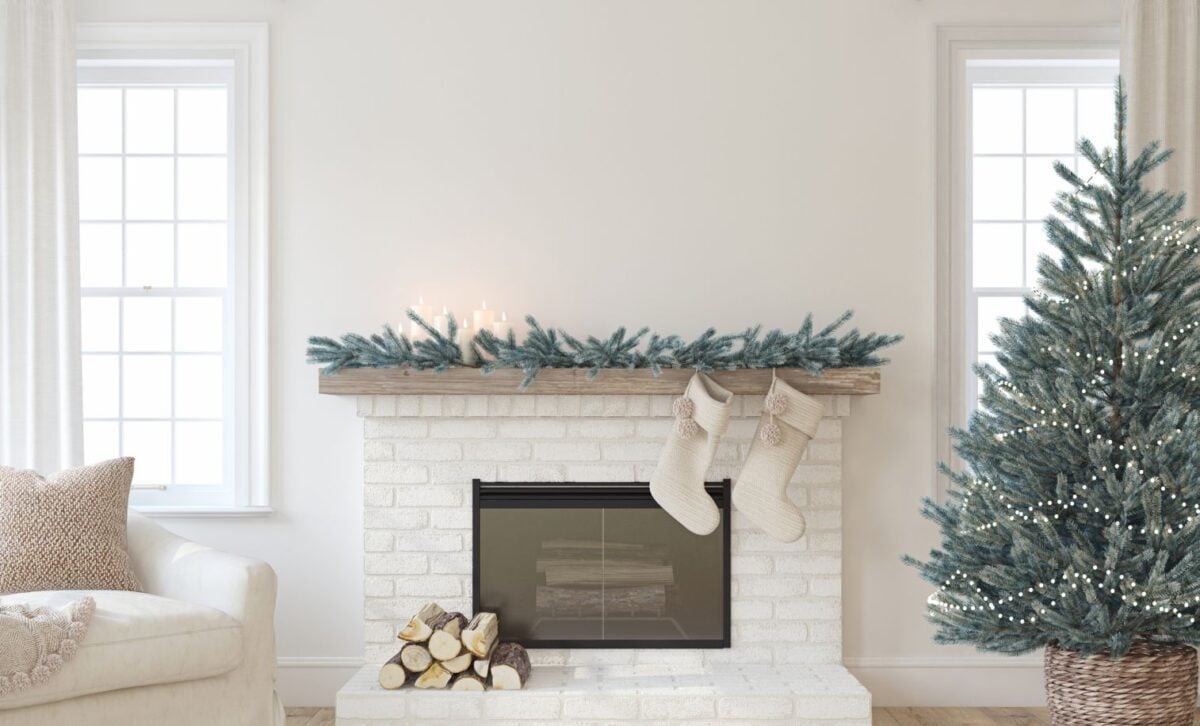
x,y
1152,685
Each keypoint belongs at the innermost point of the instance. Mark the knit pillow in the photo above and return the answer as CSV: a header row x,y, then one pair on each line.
x,y
65,531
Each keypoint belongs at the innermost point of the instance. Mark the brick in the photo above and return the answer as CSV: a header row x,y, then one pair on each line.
x,y
602,429
670,708
753,540
520,706
456,564
385,405
461,472
825,541
657,428
615,406
431,405
435,706
566,451
830,451
600,472
428,451
824,519
450,519
661,405
408,405
592,405
395,428
379,632
378,653
375,540
533,429
378,451
393,563
829,428
750,564
683,657
815,564
741,429
632,451
376,495
454,406
752,405
771,586
771,631
476,405
637,406
809,608
531,472
503,450
500,405
431,586
430,496
546,405
599,657
600,705
429,542
743,609
393,473
378,587
825,497
386,609
568,405
523,405
365,405
825,586
825,631
463,429
744,654
758,706
395,519
811,653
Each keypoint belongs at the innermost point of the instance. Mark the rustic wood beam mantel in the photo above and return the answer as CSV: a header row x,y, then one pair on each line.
x,y
574,381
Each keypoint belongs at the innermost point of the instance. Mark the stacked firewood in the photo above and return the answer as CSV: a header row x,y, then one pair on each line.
x,y
445,650
587,578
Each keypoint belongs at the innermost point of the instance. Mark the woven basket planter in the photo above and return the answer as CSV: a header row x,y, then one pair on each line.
x,y
1152,685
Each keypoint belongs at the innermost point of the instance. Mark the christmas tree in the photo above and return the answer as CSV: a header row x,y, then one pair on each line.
x,y
1077,519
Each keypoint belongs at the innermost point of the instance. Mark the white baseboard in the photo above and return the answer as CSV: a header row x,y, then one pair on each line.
x,y
313,681
968,680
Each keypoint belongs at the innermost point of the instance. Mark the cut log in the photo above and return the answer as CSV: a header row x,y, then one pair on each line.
x,y
481,667
434,677
445,642
393,674
460,663
415,658
510,667
610,574
467,682
418,630
480,634
648,600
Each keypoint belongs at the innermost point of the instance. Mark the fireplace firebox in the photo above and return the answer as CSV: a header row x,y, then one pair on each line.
x,y
598,565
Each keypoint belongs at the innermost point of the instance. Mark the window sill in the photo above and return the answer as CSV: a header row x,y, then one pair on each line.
x,y
205,512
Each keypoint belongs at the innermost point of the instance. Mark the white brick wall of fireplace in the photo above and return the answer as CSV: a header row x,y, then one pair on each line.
x,y
421,453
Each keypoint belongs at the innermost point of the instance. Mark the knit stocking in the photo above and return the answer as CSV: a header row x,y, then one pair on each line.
x,y
701,416
789,420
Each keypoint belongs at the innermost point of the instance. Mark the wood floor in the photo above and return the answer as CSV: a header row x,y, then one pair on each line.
x,y
310,717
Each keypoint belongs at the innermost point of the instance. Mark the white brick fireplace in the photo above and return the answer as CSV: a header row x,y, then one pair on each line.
x,y
421,453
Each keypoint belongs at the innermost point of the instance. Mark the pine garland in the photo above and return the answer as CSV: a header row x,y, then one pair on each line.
x,y
555,348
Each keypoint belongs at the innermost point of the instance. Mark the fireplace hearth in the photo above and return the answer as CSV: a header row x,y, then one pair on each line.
x,y
598,565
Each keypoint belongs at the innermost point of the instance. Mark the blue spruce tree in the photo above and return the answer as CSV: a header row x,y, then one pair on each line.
x,y
1077,519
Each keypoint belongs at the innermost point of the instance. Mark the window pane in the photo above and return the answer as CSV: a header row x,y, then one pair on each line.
x,y
150,443
149,255
100,441
991,309
1096,120
149,121
199,324
202,188
149,188
996,255
1042,185
996,121
100,386
147,386
1036,244
147,324
100,324
996,188
199,391
202,121
202,254
99,188
198,452
99,119
100,255
1050,120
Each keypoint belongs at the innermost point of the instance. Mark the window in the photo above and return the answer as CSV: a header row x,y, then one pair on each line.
x,y
1011,102
172,260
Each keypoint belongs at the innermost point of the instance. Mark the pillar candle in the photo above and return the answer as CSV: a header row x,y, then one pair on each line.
x,y
484,318
465,335
502,326
425,312
441,323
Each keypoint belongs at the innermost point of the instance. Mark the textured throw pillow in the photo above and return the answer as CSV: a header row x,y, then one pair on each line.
x,y
65,531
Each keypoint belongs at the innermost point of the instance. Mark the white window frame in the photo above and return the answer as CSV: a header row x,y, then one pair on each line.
x,y
957,48
246,45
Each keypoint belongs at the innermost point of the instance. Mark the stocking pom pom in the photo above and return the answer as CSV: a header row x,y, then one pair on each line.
x,y
775,403
686,428
771,434
683,407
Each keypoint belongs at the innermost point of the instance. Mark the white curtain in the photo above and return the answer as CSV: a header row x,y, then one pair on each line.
x,y
40,399
1160,60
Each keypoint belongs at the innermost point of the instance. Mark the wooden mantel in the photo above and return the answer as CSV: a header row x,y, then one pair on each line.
x,y
574,381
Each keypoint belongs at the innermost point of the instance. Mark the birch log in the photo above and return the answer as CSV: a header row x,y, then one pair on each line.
x,y
510,667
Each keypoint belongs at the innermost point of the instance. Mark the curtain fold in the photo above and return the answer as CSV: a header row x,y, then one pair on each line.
x,y
1160,61
40,367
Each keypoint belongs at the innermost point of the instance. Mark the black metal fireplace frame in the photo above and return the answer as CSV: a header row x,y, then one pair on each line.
x,y
627,495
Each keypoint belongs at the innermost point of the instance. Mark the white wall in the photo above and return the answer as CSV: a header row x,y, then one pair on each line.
x,y
672,163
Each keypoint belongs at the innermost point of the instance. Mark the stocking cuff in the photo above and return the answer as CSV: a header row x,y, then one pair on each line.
x,y
711,403
801,412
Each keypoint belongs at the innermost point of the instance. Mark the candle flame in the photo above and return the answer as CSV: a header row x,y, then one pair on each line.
x,y
464,324
444,310
504,317
485,304
420,299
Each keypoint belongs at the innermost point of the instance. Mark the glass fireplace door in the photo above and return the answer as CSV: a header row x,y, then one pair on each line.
x,y
598,565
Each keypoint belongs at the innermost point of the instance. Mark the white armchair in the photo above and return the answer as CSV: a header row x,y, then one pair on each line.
x,y
198,647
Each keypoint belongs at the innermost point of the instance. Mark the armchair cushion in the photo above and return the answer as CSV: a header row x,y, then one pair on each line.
x,y
135,639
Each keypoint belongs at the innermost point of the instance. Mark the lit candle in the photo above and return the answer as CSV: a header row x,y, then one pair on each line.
x,y
441,323
502,326
484,317
426,313
464,343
